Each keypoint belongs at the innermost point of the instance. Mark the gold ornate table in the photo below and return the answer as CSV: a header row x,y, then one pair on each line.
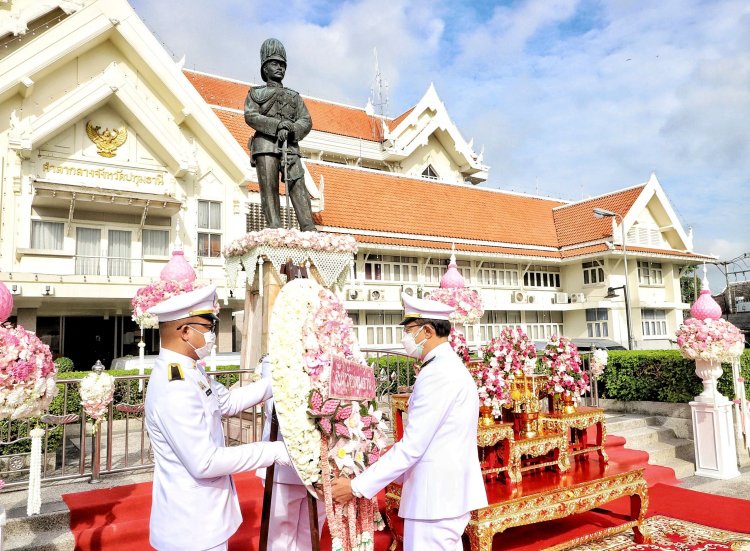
x,y
538,446
495,443
575,424
567,497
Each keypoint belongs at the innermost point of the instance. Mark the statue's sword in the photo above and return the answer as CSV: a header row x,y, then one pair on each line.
x,y
286,184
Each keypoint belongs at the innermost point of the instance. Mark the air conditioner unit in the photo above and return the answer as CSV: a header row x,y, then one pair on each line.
x,y
355,294
518,296
577,297
48,290
410,290
530,299
15,289
377,295
561,298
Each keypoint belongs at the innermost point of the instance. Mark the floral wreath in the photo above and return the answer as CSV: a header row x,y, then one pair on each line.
x,y
325,436
27,374
153,294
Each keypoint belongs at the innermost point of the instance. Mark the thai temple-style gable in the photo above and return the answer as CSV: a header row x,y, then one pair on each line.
x,y
112,152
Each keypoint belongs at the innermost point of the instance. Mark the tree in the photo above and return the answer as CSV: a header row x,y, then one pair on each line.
x,y
689,285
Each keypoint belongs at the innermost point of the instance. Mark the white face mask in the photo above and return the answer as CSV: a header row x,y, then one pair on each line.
x,y
412,348
209,339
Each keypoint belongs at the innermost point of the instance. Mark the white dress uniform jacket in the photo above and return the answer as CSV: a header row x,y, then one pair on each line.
x,y
437,455
194,502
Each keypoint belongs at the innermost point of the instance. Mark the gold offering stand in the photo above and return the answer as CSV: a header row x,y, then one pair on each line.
x,y
533,440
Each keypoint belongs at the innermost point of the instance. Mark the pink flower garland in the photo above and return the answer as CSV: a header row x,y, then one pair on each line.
x,y
457,341
563,362
279,237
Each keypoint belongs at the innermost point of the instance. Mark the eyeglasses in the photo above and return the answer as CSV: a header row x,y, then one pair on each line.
x,y
210,326
407,328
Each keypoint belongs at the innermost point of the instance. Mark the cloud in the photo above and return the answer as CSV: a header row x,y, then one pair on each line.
x,y
571,98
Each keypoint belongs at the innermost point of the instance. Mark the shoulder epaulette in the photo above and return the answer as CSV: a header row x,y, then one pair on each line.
x,y
174,372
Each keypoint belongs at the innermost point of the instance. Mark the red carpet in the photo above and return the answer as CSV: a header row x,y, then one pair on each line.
x,y
117,519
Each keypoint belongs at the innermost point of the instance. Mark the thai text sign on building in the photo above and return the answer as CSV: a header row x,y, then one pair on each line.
x,y
351,380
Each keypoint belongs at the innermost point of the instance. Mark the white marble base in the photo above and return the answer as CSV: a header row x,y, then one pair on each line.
x,y
715,448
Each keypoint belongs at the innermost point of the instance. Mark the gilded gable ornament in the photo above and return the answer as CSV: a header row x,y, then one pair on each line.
x,y
106,141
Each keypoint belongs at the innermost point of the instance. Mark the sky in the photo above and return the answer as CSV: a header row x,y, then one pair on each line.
x,y
569,98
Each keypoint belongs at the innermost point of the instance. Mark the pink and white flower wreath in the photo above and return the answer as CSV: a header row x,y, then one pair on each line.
x,y
324,436
709,340
563,362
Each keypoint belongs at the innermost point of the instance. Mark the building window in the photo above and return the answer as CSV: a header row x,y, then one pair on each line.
x,y
654,322
119,243
430,173
209,229
542,277
493,321
88,250
255,221
497,274
155,242
47,235
650,273
383,327
593,272
435,270
391,268
597,322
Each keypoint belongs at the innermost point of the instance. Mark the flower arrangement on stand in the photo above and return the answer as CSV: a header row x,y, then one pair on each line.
x,y
467,303
457,341
598,362
27,386
153,294
326,436
492,386
512,352
27,374
567,378
97,391
714,340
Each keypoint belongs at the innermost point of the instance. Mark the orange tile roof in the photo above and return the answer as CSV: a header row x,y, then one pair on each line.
x,y
576,223
603,247
461,247
327,117
395,122
379,201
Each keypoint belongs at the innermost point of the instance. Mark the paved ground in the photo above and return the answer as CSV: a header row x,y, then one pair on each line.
x,y
735,487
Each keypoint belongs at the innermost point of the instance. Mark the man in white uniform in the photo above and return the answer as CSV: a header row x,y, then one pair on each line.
x,y
194,502
437,457
289,522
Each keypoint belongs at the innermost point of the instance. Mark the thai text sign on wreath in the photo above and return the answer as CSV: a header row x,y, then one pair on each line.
x,y
351,380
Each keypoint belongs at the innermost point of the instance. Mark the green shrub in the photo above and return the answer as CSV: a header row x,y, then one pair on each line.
x,y
661,376
392,372
64,364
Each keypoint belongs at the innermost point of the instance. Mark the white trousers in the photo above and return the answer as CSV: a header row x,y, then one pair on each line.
x,y
436,535
289,527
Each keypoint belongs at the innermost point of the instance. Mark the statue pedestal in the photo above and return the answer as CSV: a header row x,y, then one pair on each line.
x,y
715,447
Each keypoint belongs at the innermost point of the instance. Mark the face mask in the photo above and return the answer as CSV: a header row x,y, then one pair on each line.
x,y
209,339
412,348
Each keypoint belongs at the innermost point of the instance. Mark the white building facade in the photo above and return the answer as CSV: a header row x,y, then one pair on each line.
x,y
110,153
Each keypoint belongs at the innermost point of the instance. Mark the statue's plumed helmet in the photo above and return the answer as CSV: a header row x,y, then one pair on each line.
x,y
271,49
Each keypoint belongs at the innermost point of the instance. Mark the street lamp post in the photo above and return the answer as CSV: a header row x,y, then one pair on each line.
x,y
603,213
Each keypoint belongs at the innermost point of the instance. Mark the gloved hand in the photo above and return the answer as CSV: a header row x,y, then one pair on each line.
x,y
281,455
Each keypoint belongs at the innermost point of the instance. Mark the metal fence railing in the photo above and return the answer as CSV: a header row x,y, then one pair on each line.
x,y
69,442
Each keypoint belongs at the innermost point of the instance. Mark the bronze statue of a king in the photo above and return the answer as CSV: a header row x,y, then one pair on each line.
x,y
280,120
